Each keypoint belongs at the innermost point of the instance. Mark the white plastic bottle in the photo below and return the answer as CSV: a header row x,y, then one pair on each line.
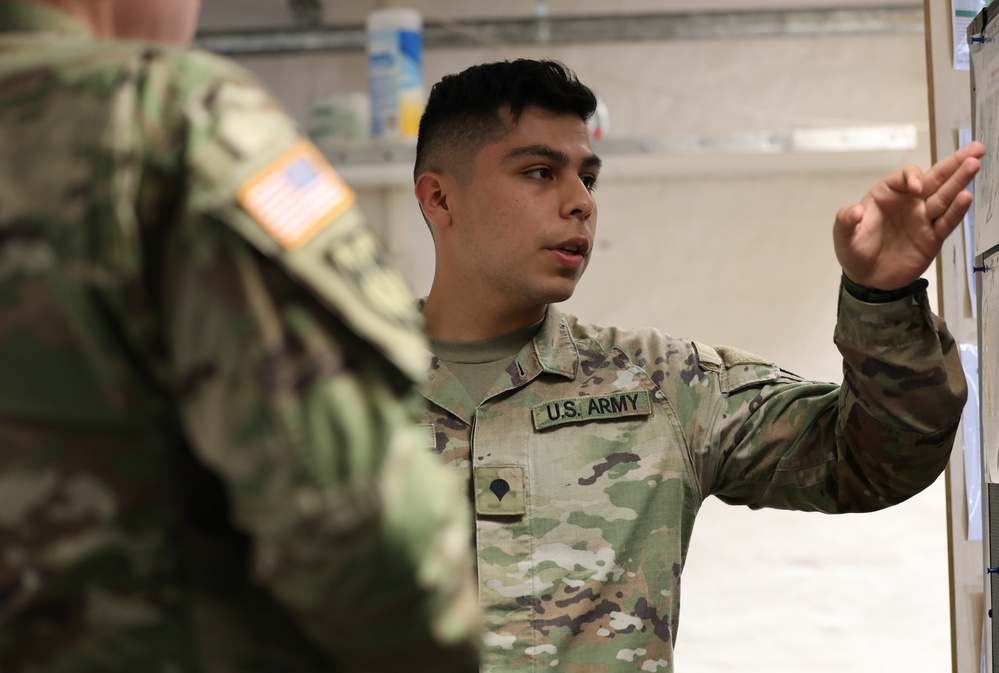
x,y
395,73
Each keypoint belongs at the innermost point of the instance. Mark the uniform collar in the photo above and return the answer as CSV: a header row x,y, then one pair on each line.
x,y
26,16
556,351
552,351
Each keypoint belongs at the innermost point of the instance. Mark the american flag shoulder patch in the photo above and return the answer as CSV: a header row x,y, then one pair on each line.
x,y
296,196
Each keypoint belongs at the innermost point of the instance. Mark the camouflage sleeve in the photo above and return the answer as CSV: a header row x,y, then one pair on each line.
x,y
774,440
295,366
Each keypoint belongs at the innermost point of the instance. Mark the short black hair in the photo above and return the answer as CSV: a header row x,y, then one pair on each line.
x,y
464,110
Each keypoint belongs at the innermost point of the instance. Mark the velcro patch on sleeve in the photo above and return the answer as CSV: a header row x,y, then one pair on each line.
x,y
296,196
743,369
733,357
591,408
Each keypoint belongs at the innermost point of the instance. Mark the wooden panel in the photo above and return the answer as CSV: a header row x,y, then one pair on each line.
x,y
950,109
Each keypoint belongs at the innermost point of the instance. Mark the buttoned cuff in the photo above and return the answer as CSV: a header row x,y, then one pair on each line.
x,y
879,318
871,296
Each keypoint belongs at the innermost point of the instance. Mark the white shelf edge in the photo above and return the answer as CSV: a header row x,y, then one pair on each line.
x,y
876,149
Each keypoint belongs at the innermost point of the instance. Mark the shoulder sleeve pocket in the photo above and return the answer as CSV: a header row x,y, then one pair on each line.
x,y
741,369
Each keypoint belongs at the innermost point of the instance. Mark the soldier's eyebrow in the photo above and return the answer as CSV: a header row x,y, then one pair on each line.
x,y
552,154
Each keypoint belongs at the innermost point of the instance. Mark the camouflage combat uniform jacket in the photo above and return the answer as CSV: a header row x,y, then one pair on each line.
x,y
592,454
208,455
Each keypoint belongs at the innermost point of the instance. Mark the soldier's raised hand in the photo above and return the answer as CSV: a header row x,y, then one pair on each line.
x,y
896,231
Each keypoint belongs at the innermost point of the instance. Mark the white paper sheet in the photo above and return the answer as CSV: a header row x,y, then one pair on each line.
x,y
985,65
988,362
972,442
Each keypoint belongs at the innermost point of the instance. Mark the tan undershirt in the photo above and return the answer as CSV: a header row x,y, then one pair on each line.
x,y
477,364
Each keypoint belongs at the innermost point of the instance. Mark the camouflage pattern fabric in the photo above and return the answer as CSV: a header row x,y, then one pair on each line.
x,y
590,457
208,455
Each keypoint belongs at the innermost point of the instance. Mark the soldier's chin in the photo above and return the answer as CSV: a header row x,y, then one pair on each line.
x,y
560,294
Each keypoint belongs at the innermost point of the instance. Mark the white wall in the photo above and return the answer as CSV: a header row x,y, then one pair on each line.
x,y
744,260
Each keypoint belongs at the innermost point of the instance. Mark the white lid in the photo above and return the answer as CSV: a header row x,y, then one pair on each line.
x,y
399,17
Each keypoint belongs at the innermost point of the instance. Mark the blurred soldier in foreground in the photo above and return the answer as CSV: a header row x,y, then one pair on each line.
x,y
207,455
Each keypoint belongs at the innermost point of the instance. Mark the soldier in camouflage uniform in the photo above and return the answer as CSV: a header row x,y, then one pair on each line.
x,y
589,450
208,455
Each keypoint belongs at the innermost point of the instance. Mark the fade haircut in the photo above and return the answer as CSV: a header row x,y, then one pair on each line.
x,y
476,106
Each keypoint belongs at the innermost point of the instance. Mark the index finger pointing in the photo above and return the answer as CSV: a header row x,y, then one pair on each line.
x,y
941,201
942,171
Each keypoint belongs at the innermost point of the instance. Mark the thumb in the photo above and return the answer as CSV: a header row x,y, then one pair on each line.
x,y
847,219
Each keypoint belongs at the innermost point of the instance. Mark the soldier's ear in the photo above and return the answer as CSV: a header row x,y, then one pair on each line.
x,y
432,191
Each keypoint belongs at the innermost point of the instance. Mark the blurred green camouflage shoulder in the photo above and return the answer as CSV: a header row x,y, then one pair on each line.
x,y
118,163
197,129
251,170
